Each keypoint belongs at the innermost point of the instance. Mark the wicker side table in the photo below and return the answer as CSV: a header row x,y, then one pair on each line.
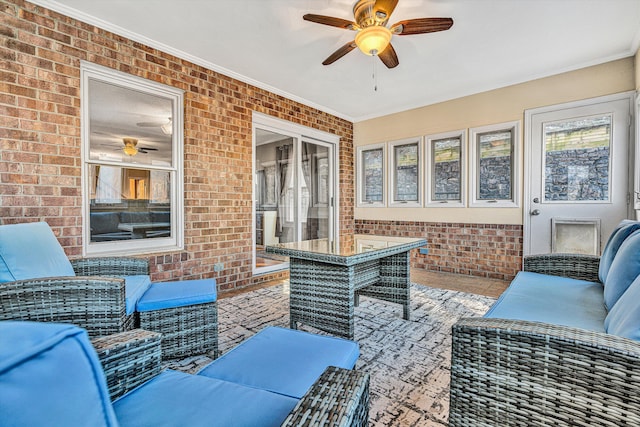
x,y
185,313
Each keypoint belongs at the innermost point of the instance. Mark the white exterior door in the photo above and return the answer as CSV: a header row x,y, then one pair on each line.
x,y
578,177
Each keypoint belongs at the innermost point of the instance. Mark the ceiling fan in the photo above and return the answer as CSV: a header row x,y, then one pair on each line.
x,y
165,126
131,147
373,36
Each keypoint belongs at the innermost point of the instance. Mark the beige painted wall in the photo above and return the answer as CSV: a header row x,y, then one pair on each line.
x,y
496,106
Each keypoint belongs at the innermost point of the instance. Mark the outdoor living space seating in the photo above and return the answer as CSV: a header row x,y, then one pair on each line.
x,y
561,346
51,375
103,295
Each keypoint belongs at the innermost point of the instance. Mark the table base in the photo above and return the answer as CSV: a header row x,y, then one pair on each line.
x,y
323,295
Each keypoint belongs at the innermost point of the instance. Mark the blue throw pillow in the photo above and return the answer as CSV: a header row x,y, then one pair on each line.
x,y
624,269
622,231
624,318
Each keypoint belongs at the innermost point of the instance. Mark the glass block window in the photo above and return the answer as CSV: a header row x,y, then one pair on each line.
x,y
494,162
370,183
405,173
446,163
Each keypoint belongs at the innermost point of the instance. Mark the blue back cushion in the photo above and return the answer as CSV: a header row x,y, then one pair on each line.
x,y
622,231
624,269
51,376
30,251
624,318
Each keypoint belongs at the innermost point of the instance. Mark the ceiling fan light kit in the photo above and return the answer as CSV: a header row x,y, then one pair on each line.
x,y
373,40
130,146
373,36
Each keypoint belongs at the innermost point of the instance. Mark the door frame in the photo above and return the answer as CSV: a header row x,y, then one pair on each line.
x,y
301,133
528,147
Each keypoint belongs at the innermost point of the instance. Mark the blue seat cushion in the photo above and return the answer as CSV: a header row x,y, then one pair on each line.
x,y
135,287
552,299
30,251
283,361
178,399
624,269
51,376
622,231
177,294
624,318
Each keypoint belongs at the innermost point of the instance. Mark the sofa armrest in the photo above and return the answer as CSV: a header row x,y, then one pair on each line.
x,y
340,397
110,266
575,266
96,304
509,372
128,359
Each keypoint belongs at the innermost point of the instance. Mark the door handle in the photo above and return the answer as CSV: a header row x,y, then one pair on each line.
x,y
535,212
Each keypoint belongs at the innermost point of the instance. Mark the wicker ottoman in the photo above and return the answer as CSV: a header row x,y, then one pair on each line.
x,y
185,313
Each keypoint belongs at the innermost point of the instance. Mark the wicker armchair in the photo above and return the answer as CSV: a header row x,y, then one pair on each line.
x,y
514,372
93,300
38,282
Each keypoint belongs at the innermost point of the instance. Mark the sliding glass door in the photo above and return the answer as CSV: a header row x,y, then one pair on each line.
x,y
293,193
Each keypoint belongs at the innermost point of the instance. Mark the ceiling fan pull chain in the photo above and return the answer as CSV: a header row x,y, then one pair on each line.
x,y
375,76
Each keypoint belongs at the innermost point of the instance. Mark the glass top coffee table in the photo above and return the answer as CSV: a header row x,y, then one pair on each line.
x,y
326,282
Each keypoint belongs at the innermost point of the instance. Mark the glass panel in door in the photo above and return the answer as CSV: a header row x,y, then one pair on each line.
x,y
577,159
274,196
315,206
293,194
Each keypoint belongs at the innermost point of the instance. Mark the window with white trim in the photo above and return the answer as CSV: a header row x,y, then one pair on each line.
x,y
370,167
405,173
494,165
446,169
132,163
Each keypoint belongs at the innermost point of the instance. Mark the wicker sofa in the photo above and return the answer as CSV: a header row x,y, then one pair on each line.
x,y
561,346
51,375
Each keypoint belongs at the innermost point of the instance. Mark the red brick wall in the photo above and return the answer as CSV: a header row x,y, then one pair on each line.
x,y
40,165
485,250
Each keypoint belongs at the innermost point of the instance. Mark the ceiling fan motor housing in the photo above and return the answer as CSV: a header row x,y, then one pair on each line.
x,y
365,16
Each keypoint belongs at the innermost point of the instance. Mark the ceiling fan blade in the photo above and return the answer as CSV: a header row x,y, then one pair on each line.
x,y
330,20
421,26
339,53
389,57
384,8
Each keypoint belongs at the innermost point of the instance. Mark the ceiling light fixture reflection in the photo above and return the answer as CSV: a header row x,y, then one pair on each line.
x,y
130,146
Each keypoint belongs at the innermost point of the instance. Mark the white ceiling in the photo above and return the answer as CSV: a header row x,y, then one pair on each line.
x,y
493,43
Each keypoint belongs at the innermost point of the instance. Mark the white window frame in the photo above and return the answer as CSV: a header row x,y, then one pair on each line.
x,y
474,170
175,241
392,175
429,140
361,203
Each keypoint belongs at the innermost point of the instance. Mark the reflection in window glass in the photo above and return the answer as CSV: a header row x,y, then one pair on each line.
x,y
129,204
372,179
447,174
495,158
577,159
405,163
